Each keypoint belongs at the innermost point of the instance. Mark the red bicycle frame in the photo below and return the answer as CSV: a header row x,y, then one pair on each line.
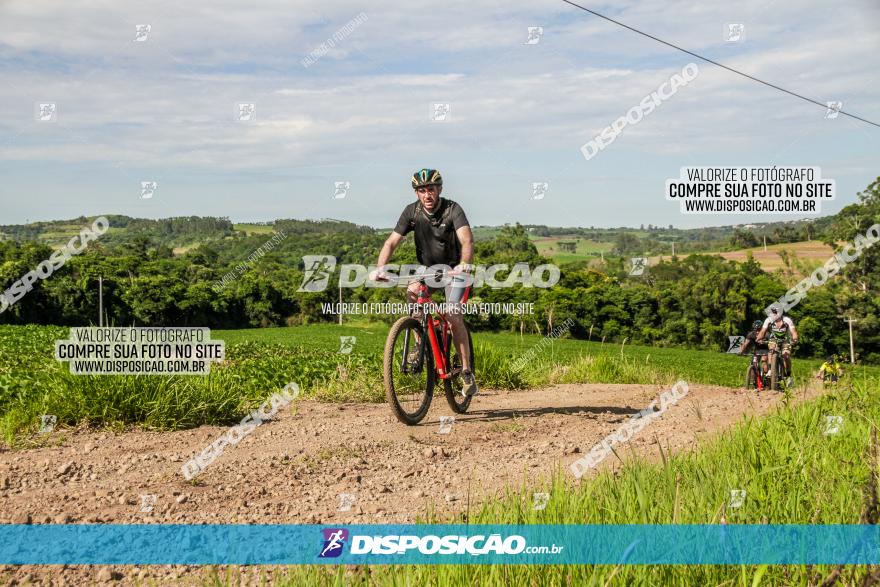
x,y
431,324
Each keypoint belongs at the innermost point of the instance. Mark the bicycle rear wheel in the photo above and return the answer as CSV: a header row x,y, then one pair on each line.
x,y
408,371
751,377
453,385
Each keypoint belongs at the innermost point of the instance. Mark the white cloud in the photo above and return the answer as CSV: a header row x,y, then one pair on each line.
x,y
168,103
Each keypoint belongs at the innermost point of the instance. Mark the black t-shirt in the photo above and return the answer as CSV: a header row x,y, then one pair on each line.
x,y
436,241
752,338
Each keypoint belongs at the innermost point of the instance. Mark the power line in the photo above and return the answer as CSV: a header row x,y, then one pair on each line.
x,y
706,59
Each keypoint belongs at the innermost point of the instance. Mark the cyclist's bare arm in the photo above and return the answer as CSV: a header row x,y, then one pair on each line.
x,y
466,238
794,334
391,243
762,334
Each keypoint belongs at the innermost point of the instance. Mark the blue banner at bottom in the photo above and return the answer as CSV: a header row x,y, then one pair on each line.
x,y
153,544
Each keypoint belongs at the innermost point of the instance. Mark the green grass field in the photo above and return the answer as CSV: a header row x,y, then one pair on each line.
x,y
261,361
249,229
692,365
810,254
61,234
482,232
584,249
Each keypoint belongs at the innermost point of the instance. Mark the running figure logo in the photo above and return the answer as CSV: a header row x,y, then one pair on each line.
x,y
341,189
736,343
638,265
540,501
833,109
142,32
535,34
334,541
440,112
148,188
735,32
47,423
47,112
317,272
832,424
539,189
346,344
247,112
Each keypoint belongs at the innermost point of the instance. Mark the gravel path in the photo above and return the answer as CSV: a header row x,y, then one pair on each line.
x,y
337,464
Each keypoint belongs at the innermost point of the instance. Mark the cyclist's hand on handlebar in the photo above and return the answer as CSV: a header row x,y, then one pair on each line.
x,y
463,268
378,275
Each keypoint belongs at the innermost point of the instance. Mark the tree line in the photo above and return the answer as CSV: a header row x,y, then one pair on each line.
x,y
698,301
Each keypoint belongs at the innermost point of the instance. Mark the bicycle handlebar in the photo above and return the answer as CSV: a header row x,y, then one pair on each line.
x,y
418,276
765,341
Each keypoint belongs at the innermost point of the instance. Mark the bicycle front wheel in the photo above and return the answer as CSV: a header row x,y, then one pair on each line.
x,y
457,402
408,371
775,364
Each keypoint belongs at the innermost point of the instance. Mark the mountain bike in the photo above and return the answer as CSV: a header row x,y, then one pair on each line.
x,y
778,372
418,354
758,373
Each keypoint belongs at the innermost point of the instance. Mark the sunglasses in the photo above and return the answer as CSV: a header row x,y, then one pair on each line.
x,y
426,189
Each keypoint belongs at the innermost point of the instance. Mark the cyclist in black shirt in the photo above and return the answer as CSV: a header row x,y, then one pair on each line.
x,y
443,237
752,338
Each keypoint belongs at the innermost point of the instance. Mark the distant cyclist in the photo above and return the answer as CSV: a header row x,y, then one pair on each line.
x,y
782,334
831,370
751,339
443,237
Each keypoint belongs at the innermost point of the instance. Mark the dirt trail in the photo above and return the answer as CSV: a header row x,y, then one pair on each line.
x,y
294,469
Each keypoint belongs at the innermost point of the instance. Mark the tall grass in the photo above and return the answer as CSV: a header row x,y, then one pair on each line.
x,y
597,369
791,471
251,373
493,369
260,362
32,383
693,365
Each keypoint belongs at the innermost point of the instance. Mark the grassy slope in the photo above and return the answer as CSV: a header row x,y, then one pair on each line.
x,y
261,361
698,366
586,249
60,234
250,229
812,253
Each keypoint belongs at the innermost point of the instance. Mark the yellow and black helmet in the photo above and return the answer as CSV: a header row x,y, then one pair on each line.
x,y
425,177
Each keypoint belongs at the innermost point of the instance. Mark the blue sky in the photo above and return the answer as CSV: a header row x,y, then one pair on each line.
x,y
163,109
